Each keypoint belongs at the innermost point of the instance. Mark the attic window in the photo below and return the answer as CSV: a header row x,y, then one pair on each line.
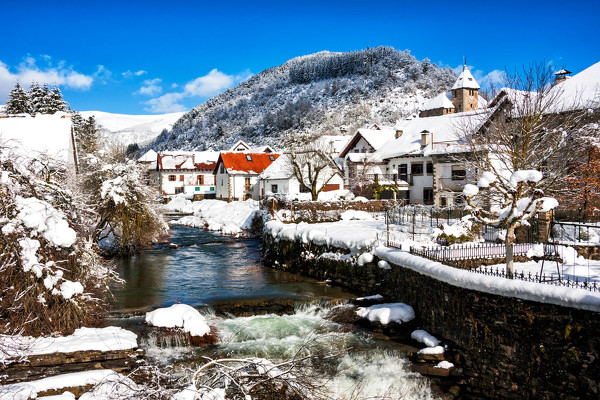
x,y
272,158
248,157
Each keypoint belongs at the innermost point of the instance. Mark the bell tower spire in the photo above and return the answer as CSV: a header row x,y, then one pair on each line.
x,y
465,92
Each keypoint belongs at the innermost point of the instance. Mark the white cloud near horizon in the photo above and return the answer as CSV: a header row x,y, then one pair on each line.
x,y
205,86
150,87
28,71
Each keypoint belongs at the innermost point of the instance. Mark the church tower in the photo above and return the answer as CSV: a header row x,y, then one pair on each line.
x,y
465,92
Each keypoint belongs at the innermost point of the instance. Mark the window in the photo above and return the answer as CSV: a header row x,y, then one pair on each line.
x,y
272,158
356,150
222,169
403,172
429,168
197,189
247,184
458,173
459,200
212,189
273,188
200,180
172,178
248,157
181,178
416,169
443,202
428,195
178,190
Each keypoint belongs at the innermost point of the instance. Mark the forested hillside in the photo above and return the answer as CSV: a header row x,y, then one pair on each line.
x,y
311,95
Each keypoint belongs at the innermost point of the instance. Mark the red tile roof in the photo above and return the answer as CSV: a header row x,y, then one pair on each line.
x,y
238,162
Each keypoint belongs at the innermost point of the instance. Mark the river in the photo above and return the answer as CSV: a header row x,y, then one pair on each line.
x,y
208,270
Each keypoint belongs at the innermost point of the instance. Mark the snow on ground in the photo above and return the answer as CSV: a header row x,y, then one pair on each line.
x,y
179,316
355,215
27,390
574,267
387,312
215,215
100,339
424,337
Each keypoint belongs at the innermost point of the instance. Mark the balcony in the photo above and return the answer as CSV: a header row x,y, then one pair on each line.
x,y
388,179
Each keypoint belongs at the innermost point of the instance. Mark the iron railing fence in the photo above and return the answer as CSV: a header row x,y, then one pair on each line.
x,y
475,251
540,278
425,215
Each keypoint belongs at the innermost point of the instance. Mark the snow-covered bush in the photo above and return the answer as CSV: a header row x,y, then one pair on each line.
x,y
128,218
50,276
460,232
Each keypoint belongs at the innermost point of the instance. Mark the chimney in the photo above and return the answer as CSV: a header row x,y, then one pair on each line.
x,y
399,133
425,135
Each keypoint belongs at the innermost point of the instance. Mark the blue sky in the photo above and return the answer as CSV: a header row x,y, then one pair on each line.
x,y
144,57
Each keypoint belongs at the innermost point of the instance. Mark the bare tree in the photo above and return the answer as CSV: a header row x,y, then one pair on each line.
x,y
313,166
521,148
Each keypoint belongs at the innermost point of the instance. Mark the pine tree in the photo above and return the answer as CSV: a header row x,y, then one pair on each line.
x,y
18,101
56,101
36,99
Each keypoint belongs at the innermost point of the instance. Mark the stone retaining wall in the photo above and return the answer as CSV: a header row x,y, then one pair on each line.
x,y
511,348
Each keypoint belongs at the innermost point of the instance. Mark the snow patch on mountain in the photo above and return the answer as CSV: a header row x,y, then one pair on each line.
x,y
126,129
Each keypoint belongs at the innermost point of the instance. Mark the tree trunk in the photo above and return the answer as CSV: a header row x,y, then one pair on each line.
x,y
510,240
314,194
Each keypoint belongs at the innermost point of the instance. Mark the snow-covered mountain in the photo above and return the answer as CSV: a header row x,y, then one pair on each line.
x,y
317,94
128,129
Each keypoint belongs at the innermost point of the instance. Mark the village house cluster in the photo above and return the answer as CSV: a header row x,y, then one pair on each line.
x,y
418,160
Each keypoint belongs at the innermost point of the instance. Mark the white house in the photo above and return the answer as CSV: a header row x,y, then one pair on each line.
x,y
358,152
237,173
191,173
278,178
240,145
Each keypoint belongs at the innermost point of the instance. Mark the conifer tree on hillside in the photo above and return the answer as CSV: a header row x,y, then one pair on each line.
x,y
18,101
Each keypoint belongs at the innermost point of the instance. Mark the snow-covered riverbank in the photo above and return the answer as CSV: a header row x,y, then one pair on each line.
x,y
215,215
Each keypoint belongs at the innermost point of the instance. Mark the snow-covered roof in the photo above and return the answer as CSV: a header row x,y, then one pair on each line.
x,y
562,72
580,91
465,80
239,144
279,169
374,137
446,131
336,142
439,101
148,156
43,134
187,160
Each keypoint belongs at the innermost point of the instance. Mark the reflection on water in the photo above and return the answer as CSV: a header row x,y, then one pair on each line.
x,y
206,267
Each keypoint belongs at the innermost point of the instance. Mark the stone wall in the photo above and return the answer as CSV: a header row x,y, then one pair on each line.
x,y
511,348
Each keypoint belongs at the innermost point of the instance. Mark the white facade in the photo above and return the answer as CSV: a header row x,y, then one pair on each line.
x,y
418,172
190,182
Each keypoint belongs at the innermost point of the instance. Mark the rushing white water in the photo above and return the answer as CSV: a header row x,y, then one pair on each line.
x,y
368,370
